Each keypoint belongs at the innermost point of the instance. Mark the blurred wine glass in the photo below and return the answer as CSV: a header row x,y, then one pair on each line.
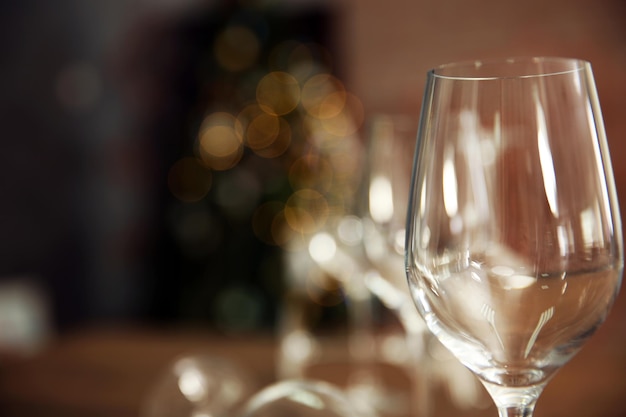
x,y
325,266
385,197
302,398
327,318
198,386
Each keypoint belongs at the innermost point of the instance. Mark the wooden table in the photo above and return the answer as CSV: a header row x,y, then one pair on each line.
x,y
108,372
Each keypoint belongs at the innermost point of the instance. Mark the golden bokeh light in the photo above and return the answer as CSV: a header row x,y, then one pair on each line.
x,y
262,131
332,105
347,165
188,180
311,171
278,145
323,96
341,125
297,110
306,211
219,143
247,114
278,93
267,135
345,123
237,48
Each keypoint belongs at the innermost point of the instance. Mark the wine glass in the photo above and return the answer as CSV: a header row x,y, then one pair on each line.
x,y
324,270
385,191
514,241
391,142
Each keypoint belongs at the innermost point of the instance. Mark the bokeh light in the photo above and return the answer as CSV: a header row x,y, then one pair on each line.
x,y
268,136
219,144
262,131
306,211
322,247
345,122
278,93
284,135
323,96
350,230
311,171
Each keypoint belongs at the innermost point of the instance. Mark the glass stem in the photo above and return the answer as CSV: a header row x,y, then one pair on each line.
x,y
514,401
416,336
521,411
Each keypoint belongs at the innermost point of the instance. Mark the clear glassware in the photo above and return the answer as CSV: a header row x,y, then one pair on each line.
x,y
384,200
391,142
326,316
304,398
514,242
198,386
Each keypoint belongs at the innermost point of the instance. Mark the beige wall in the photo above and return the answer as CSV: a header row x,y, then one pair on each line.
x,y
388,45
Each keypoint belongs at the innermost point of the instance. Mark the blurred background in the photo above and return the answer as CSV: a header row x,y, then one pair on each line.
x,y
152,150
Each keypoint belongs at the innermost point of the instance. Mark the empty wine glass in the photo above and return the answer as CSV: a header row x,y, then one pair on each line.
x,y
198,386
514,243
303,398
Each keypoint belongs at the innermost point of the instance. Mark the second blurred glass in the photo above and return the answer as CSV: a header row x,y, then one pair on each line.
x,y
391,143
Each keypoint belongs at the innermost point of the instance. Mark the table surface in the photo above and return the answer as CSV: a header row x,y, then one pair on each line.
x,y
109,371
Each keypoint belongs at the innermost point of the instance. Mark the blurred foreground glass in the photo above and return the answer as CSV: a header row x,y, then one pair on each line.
x,y
302,398
199,386
514,247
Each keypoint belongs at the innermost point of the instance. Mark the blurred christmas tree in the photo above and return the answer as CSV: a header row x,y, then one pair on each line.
x,y
252,118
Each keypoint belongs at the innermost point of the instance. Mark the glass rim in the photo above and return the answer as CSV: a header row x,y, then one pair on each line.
x,y
461,70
